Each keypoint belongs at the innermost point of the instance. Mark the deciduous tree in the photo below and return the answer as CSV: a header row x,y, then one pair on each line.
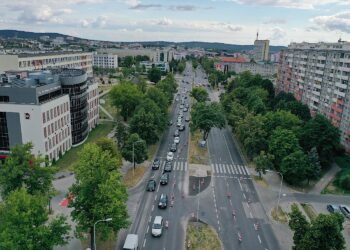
x,y
207,116
25,224
143,124
294,167
299,225
154,74
200,94
99,193
126,97
140,149
22,169
263,162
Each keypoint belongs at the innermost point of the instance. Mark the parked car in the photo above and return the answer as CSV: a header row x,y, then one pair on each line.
x,y
181,106
168,166
170,122
178,124
164,179
156,164
333,208
151,185
345,210
185,109
157,226
187,119
187,105
163,201
176,133
182,128
170,156
176,139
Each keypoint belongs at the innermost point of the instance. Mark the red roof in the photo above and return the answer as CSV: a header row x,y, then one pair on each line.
x,y
233,59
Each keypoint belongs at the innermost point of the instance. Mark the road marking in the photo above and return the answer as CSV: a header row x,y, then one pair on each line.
x,y
235,169
259,238
240,185
251,214
155,198
247,169
220,168
224,168
185,166
144,243
158,188
239,169
150,218
231,202
147,228
216,168
229,169
243,170
244,196
152,208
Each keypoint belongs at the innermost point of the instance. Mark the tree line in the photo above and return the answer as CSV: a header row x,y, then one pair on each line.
x,y
146,112
27,189
277,131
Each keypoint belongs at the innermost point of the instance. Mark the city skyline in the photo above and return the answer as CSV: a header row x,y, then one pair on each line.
x,y
228,21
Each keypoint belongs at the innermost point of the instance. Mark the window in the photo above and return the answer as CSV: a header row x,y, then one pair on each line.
x,y
44,119
45,132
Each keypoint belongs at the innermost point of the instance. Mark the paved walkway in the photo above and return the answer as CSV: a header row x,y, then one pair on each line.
x,y
327,178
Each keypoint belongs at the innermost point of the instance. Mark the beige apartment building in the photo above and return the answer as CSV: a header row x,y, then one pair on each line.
x,y
318,74
261,50
47,60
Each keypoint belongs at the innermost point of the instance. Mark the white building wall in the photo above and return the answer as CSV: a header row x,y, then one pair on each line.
x,y
109,61
33,129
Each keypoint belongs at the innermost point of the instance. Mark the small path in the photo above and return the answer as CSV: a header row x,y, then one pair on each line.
x,y
327,178
106,112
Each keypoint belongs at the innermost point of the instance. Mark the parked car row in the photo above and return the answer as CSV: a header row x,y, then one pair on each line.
x,y
339,209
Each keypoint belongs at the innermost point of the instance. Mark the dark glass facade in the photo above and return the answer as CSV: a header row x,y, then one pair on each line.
x,y
4,135
79,110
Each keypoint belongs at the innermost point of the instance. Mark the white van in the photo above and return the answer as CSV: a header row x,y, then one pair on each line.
x,y
131,242
157,226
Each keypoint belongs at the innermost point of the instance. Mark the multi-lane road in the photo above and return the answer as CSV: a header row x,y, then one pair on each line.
x,y
229,204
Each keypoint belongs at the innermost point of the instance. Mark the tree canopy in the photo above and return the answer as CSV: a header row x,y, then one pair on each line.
x,y
99,193
206,116
25,224
200,94
154,74
126,96
22,169
140,149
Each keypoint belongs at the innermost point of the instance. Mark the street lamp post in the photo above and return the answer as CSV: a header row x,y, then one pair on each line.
x,y
133,153
279,193
104,220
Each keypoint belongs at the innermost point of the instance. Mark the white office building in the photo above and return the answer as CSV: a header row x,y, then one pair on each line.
x,y
107,61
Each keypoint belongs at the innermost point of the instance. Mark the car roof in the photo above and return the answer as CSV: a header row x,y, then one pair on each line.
x,y
158,219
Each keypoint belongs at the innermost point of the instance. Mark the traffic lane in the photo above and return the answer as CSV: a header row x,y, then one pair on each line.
x,y
236,156
173,237
217,150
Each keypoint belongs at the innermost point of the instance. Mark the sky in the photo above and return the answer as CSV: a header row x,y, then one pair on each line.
x,y
228,21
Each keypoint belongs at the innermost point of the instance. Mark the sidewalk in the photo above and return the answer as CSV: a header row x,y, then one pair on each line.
x,y
327,178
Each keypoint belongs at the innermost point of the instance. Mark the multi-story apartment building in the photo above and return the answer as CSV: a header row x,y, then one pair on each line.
x,y
47,60
240,64
109,61
318,75
54,110
261,50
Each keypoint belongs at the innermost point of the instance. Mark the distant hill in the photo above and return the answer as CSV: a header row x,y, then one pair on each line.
x,y
194,44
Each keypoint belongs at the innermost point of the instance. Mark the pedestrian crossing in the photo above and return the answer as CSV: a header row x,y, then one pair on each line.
x,y
177,165
229,169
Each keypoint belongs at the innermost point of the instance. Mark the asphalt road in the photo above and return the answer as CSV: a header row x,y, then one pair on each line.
x,y
175,214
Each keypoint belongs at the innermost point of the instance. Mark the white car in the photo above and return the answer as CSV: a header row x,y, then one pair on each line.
x,y
176,139
157,226
170,156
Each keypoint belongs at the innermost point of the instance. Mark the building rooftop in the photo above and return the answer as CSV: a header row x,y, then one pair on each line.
x,y
233,59
40,54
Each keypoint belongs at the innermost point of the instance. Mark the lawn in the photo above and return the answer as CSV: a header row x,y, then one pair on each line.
x,y
333,188
309,210
197,154
68,160
200,236
279,215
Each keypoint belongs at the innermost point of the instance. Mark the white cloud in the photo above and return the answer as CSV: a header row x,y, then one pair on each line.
x,y
43,13
339,21
164,22
131,3
277,33
297,4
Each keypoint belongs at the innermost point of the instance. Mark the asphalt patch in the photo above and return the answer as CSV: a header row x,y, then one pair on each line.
x,y
198,184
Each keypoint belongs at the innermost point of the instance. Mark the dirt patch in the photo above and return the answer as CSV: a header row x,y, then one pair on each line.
x,y
132,178
260,181
197,154
279,215
200,236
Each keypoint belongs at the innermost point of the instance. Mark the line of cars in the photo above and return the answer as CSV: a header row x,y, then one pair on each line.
x,y
158,223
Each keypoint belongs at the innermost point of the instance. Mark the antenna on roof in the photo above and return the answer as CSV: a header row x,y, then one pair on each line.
x,y
257,35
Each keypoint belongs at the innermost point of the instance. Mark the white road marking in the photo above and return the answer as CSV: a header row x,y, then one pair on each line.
x,y
224,168
150,218
155,198
235,169
243,170
251,214
144,242
240,185
216,168
247,169
239,169
185,166
158,188
259,238
244,196
152,208
147,228
231,202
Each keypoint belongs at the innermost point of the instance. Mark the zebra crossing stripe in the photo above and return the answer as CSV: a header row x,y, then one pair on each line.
x,y
247,169
220,168
234,169
230,169
186,166
216,168
243,170
239,169
223,168
181,165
